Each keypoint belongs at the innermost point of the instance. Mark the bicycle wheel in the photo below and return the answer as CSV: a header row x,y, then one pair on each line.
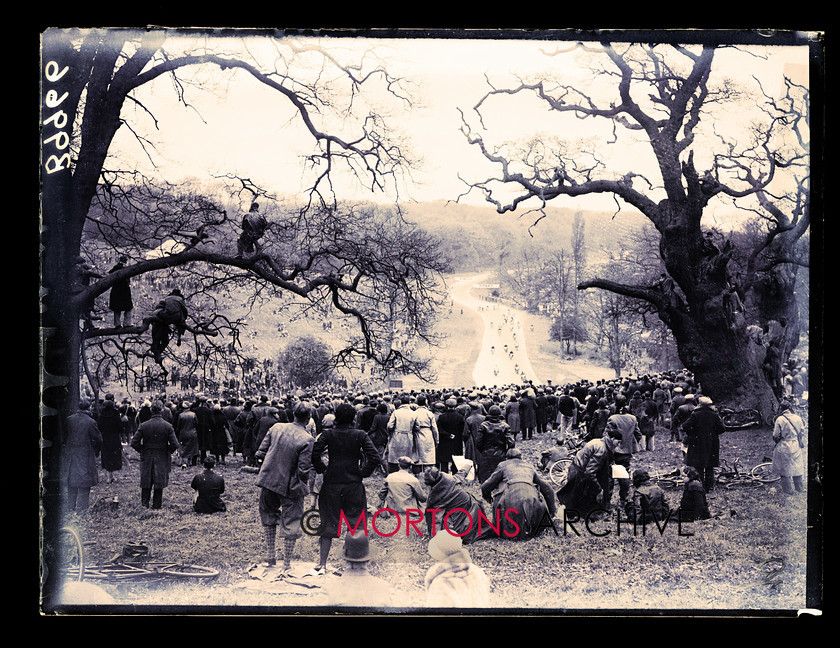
x,y
559,472
71,554
189,571
764,474
117,571
744,481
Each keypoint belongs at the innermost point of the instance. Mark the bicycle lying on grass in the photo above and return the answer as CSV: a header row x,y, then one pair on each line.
x,y
132,564
731,476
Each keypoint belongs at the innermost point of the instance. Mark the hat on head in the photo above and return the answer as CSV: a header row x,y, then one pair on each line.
x,y
704,401
678,390
443,545
356,547
640,476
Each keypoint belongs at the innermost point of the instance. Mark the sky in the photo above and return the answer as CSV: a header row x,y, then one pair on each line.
x,y
235,125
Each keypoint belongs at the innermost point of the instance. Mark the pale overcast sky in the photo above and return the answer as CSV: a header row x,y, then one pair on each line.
x,y
245,128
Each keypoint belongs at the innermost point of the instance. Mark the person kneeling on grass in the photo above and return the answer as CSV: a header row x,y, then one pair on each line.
x,y
209,488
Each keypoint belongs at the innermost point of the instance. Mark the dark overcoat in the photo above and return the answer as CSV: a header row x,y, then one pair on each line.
x,y
110,426
120,298
702,431
84,441
155,441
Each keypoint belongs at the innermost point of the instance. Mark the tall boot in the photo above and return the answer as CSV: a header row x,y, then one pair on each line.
x,y
145,496
157,498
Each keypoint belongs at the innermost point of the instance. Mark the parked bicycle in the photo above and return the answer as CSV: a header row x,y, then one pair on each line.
x,y
558,471
739,419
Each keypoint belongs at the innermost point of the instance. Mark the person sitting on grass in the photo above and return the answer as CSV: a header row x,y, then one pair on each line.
x,y
647,503
209,487
693,504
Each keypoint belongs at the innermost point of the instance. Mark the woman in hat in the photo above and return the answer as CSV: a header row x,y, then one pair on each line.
x,y
110,426
450,425
454,580
512,415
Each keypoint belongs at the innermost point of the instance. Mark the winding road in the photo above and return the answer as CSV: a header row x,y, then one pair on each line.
x,y
504,357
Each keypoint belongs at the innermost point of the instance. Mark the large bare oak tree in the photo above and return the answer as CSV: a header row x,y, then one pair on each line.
x,y
716,284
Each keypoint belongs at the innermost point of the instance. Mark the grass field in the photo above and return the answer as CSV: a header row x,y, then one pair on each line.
x,y
722,565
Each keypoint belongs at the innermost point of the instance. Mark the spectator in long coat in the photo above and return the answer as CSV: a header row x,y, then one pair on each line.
x,y
541,413
109,422
512,415
155,441
231,411
219,439
403,442
202,425
378,432
788,459
702,431
120,301
187,435
528,414
451,434
81,446
471,425
426,433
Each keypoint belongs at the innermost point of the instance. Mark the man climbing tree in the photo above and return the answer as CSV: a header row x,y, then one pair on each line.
x,y
170,314
254,225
